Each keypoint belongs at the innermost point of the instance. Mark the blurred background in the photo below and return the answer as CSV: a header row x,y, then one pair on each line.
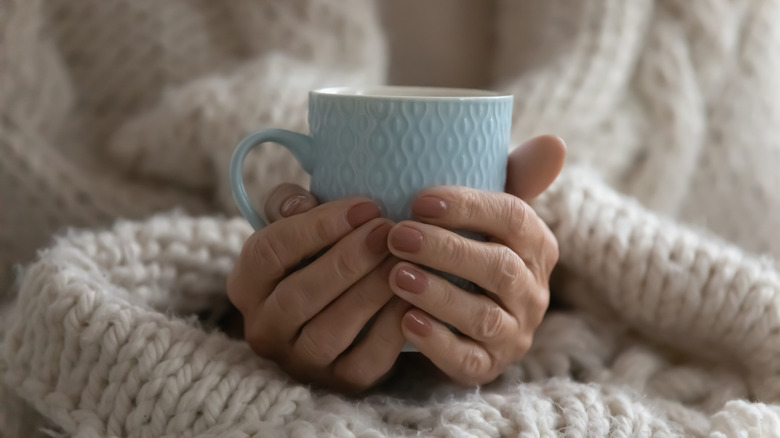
x,y
445,43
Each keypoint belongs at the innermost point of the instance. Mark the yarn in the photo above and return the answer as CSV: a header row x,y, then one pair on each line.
x,y
119,110
665,215
100,343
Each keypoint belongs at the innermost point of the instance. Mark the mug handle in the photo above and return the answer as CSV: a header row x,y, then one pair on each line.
x,y
300,145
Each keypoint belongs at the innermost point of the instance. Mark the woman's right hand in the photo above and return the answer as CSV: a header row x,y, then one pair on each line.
x,y
307,319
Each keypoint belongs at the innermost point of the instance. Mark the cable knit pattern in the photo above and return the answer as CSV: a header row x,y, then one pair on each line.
x,y
666,215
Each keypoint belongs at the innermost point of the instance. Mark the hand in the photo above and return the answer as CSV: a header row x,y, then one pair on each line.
x,y
307,319
513,268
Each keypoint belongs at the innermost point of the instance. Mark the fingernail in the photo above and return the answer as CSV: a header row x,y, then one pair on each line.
x,y
376,241
291,205
362,213
411,280
429,206
406,239
418,324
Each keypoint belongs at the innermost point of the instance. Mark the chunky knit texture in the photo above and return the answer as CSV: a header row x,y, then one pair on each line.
x,y
124,108
666,216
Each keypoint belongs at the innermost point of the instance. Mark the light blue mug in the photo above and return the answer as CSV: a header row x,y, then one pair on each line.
x,y
388,143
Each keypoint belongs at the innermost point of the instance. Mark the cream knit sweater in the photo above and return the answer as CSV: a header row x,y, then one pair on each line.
x,y
666,215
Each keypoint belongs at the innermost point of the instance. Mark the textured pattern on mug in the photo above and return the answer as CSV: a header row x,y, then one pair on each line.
x,y
397,147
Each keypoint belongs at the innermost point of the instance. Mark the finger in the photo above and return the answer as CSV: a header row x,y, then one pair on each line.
x,y
462,359
473,315
534,165
492,266
270,253
304,293
505,217
335,328
288,200
374,356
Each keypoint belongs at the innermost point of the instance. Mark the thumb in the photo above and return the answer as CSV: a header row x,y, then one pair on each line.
x,y
288,200
534,165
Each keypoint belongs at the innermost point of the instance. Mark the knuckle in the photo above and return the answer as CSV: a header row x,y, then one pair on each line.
x,y
471,365
473,204
538,306
508,270
346,266
490,322
317,347
324,230
542,266
264,251
514,213
290,300
455,247
447,298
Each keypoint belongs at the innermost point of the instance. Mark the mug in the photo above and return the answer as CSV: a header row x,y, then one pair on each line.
x,y
390,142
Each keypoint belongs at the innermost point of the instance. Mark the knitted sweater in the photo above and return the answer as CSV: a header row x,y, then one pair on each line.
x,y
664,215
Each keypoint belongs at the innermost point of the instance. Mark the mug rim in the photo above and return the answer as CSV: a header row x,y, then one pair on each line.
x,y
410,92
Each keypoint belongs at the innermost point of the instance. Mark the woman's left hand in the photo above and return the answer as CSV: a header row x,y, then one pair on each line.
x,y
513,268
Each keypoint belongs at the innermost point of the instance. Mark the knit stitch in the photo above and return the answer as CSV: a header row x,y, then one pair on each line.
x,y
666,216
96,346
